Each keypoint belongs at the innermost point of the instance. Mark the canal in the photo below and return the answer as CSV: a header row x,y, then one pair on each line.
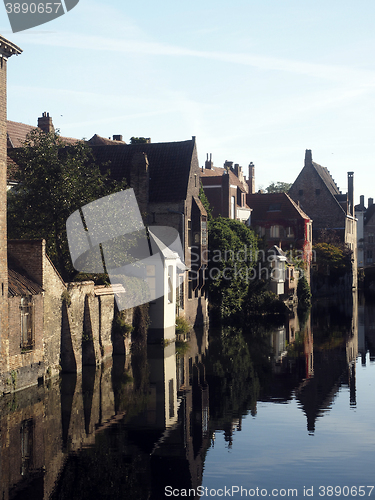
x,y
272,409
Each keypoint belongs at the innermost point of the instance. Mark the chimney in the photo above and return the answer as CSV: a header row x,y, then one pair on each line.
x,y
362,201
209,164
251,181
308,157
45,123
117,138
351,193
370,202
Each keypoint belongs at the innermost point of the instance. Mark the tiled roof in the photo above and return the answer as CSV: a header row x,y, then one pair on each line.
x,y
17,132
272,206
169,166
218,172
19,283
97,140
12,168
327,178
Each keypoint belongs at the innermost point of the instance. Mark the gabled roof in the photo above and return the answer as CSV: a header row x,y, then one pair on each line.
x,y
169,166
17,132
208,176
326,177
19,283
272,206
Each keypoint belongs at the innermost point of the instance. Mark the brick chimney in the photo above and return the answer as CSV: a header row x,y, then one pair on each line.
x,y
209,163
251,180
370,202
117,138
45,123
308,157
351,193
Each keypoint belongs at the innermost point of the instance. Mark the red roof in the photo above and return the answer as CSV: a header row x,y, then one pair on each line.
x,y
272,206
17,132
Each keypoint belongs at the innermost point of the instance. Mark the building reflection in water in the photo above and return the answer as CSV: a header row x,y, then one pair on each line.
x,y
151,409
143,422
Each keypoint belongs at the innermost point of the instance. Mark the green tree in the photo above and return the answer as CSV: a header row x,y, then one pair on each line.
x,y
233,253
139,140
278,187
53,180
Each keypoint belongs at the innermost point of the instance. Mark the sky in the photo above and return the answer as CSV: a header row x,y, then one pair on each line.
x,y
253,80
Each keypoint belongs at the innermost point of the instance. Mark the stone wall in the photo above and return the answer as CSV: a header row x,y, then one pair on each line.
x,y
87,334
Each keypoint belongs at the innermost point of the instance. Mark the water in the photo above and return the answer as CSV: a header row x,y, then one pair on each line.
x,y
269,410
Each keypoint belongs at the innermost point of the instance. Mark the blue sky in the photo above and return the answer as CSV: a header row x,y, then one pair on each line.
x,y
256,81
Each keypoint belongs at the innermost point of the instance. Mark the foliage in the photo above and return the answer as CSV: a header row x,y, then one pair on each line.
x,y
205,203
232,251
260,301
182,326
138,140
53,180
332,260
120,326
303,293
234,385
278,187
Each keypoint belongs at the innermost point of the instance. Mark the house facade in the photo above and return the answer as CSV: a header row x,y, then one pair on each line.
x,y
7,49
369,234
282,223
165,179
226,190
319,196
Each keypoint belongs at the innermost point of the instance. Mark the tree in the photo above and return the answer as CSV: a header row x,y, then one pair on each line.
x,y
53,180
139,140
278,187
233,253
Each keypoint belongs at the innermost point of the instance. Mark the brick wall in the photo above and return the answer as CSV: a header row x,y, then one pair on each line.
x,y
3,229
316,200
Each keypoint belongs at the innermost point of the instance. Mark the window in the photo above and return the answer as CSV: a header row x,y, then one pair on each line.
x,y
27,323
27,445
289,232
370,238
190,236
275,232
171,398
204,231
170,284
232,207
181,292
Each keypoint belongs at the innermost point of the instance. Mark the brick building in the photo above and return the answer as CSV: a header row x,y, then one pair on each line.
x,y
369,234
226,189
320,198
283,223
165,179
7,49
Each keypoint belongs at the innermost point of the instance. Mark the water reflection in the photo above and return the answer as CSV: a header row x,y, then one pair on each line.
x,y
143,422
